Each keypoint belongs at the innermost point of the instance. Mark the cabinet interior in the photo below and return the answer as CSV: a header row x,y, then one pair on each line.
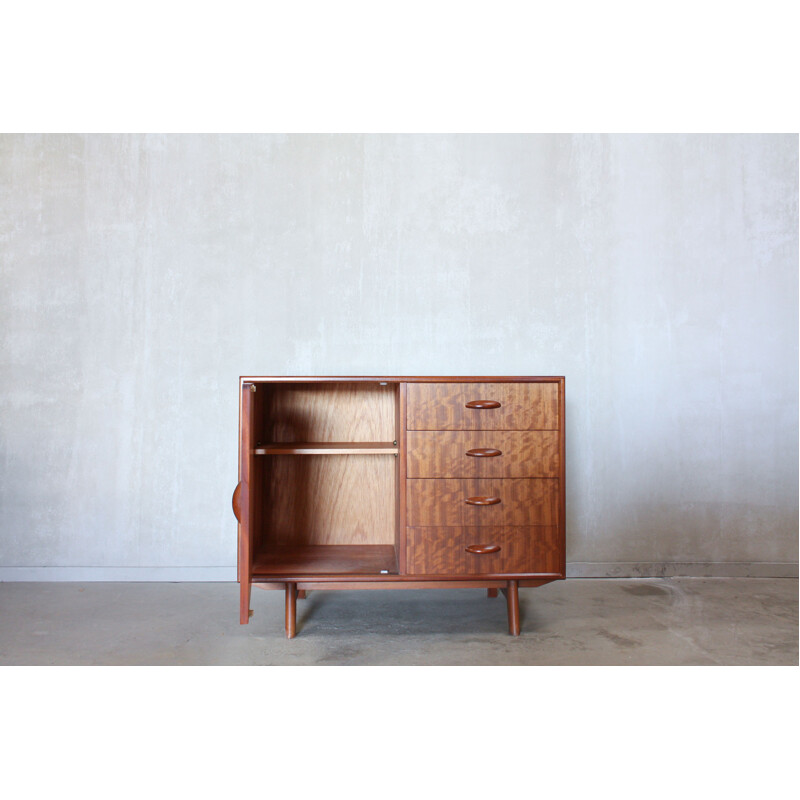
x,y
325,472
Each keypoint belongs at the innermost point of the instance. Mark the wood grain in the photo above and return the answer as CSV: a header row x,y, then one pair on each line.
x,y
325,560
442,502
401,474
236,502
483,501
443,406
326,448
391,582
388,582
512,599
257,396
247,500
327,379
409,583
443,454
328,499
482,549
328,412
443,551
291,610
436,551
562,478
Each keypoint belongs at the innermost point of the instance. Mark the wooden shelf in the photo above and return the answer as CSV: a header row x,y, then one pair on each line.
x,y
326,448
349,559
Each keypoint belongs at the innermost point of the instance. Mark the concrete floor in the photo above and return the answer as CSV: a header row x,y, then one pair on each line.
x,y
658,621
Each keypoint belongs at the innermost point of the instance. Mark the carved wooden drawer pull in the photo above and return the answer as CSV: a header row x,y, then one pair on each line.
x,y
483,404
482,549
236,502
484,452
482,501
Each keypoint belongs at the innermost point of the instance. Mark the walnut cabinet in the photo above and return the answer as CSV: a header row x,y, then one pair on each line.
x,y
399,483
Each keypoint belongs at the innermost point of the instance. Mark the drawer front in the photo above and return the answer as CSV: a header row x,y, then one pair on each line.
x,y
499,502
482,406
483,551
482,454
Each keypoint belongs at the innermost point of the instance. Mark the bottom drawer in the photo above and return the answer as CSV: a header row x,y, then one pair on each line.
x,y
484,550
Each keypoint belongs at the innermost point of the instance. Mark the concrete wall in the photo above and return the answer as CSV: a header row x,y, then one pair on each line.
x,y
142,274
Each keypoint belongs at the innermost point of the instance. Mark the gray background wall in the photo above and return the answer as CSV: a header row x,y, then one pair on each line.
x,y
141,275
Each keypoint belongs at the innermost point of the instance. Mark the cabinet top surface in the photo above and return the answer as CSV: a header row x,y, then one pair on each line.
x,y
404,378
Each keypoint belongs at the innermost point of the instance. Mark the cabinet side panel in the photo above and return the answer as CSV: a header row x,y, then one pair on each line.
x,y
244,549
250,499
562,483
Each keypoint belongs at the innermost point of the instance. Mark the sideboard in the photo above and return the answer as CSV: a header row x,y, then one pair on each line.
x,y
399,483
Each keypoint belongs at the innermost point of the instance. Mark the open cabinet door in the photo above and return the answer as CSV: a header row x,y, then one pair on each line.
x,y
242,497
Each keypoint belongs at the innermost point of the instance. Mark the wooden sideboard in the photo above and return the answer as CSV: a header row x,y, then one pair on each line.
x,y
399,483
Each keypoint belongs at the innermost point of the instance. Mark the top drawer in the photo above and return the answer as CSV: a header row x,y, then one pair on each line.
x,y
482,406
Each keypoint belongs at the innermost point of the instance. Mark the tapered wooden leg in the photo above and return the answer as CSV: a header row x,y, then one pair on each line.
x,y
244,603
491,592
301,594
291,609
512,599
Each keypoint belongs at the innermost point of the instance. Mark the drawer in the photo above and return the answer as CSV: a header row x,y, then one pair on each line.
x,y
482,454
500,502
443,551
482,406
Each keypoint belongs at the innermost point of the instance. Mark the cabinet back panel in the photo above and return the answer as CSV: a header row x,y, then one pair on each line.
x,y
328,499
327,412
